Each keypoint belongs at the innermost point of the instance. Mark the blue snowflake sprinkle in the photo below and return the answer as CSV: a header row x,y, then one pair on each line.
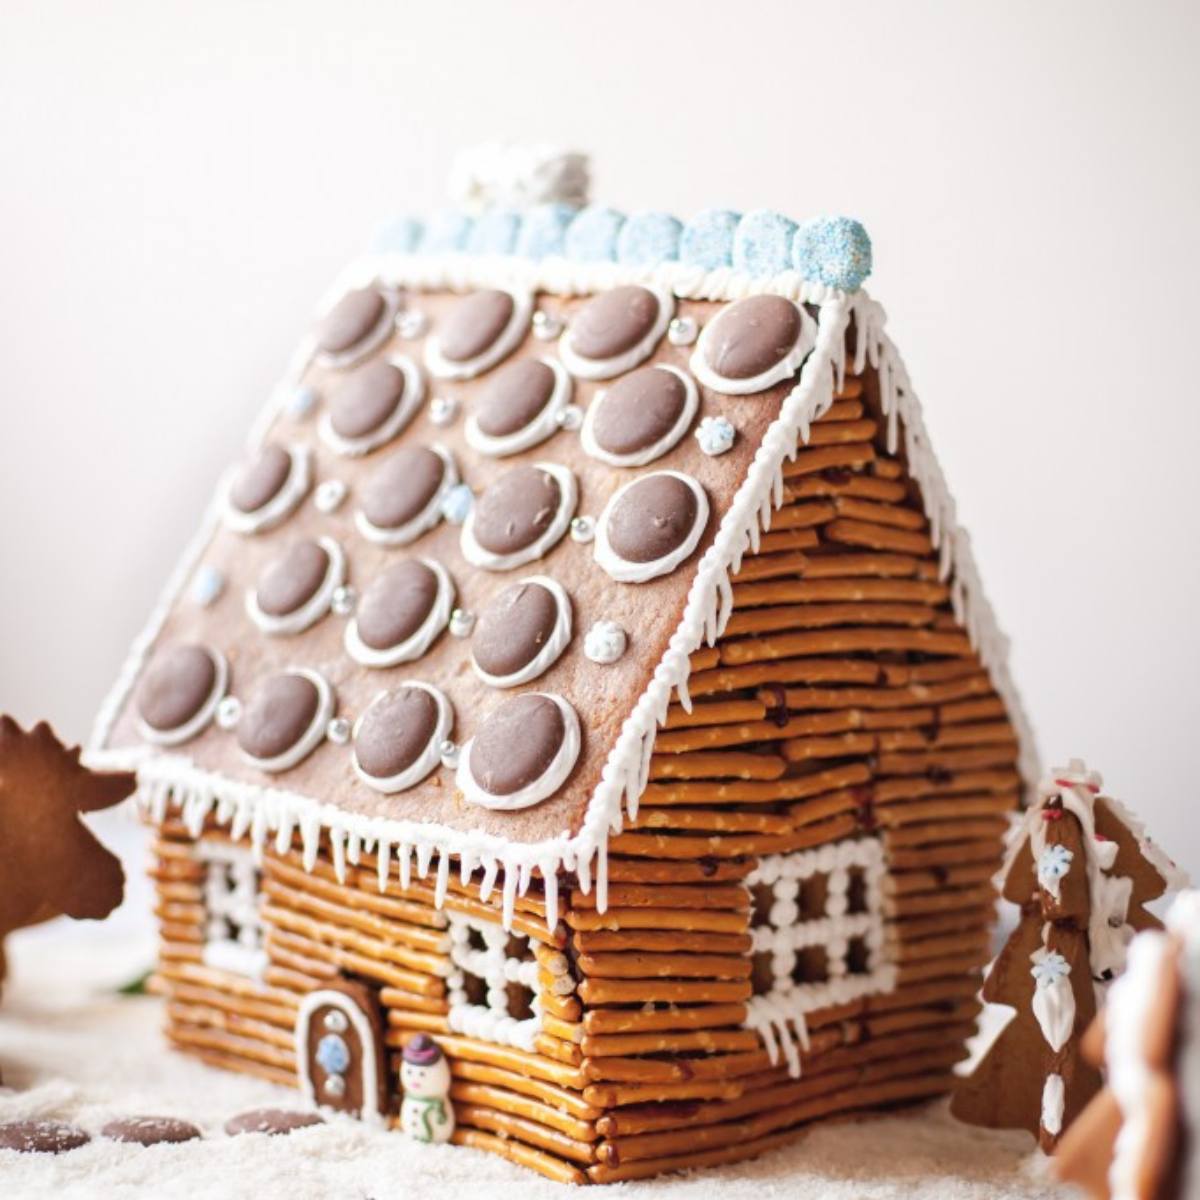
x,y
1049,968
1053,863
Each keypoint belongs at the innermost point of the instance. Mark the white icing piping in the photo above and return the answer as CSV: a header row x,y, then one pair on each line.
x,y
618,364
176,780
427,760
205,713
785,368
639,458
314,608
509,338
556,643
417,643
568,498
411,398
425,520
304,746
544,425
625,570
293,490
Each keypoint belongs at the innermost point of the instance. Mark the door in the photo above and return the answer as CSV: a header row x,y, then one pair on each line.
x,y
339,1050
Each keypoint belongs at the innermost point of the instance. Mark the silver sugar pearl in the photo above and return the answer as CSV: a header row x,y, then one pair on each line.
x,y
329,495
207,585
570,417
583,529
411,323
546,326
343,600
229,712
450,754
682,331
461,622
301,401
338,731
443,409
334,1085
335,1021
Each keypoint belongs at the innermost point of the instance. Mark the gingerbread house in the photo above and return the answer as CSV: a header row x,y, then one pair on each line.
x,y
584,669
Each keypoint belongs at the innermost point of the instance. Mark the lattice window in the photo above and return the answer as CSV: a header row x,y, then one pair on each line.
x,y
234,926
493,987
817,928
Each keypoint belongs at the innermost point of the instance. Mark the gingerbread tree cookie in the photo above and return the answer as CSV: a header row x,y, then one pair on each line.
x,y
1081,872
1133,1141
60,867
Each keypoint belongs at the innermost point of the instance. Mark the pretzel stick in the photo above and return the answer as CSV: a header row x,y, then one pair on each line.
x,y
784,540
973,945
733,846
610,1095
235,1005
824,616
600,941
807,749
821,808
940,901
565,1008
730,765
633,870
935,968
707,1041
205,1038
850,590
668,991
703,658
908,882
843,410
638,895
994,733
852,387
488,1096
925,835
880,566
243,1066
864,487
646,1070
180,934
809,462
599,1022
840,433
803,515
772,566
524,1156
897,515
885,698
510,1059
959,853
563,1052
561,1099
629,964
794,787
888,468
564,1031
812,670
917,995
947,760
844,641
888,791
705,920
718,712
716,820
934,923
404,1018
190,893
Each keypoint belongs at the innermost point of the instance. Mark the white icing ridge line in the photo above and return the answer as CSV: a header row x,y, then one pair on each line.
x,y
709,603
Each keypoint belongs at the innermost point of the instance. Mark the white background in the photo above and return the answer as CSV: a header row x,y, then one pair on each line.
x,y
181,182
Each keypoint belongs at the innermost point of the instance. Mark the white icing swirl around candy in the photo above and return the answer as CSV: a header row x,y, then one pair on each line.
x,y
425,520
618,364
314,608
1053,998
417,643
556,643
568,493
785,368
375,338
428,760
547,422
509,338
411,399
278,507
627,571
639,458
312,737
199,721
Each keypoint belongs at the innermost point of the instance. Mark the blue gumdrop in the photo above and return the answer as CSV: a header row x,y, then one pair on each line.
x,y
495,232
398,236
647,238
592,235
707,239
543,230
835,251
762,244
447,230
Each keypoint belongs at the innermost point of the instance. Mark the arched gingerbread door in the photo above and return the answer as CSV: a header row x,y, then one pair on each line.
x,y
339,1050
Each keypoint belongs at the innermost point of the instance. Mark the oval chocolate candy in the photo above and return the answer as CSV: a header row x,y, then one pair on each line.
x,y
178,693
397,740
615,331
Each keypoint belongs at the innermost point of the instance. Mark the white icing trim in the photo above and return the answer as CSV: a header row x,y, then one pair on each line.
x,y
428,760
544,425
479,556
625,571
373,340
1053,1101
639,458
425,520
204,714
1053,999
313,609
285,501
618,364
231,896
175,781
417,643
556,643
785,368
327,997
509,338
550,780
411,398
312,737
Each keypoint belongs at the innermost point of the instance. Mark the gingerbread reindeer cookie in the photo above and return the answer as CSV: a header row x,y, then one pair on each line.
x,y
1081,871
55,866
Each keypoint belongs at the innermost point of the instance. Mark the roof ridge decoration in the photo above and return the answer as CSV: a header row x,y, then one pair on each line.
x,y
262,811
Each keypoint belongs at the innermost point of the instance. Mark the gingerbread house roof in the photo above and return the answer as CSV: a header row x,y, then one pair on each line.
x,y
436,505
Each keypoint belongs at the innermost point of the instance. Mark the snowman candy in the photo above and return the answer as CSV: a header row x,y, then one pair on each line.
x,y
426,1113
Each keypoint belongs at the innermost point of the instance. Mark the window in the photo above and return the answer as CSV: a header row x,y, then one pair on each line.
x,y
493,987
233,929
817,929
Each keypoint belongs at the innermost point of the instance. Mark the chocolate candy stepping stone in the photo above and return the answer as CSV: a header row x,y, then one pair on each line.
x,y
150,1131
752,344
519,517
401,498
267,488
522,632
372,405
404,608
397,741
521,405
641,417
295,589
42,1137
270,1121
179,693
476,333
354,326
650,526
615,331
521,754
285,719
